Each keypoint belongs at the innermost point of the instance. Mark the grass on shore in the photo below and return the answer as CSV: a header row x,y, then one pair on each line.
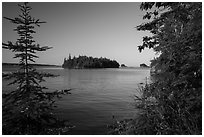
x,y
164,110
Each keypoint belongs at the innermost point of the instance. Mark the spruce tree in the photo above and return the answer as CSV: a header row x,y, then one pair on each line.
x,y
28,108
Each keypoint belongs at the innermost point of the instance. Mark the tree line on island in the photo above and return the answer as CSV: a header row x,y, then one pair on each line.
x,y
81,62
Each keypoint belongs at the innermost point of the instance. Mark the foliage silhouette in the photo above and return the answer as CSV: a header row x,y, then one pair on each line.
x,y
28,108
172,103
177,89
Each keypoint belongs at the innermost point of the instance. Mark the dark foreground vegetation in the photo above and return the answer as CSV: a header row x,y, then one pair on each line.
x,y
28,108
172,103
89,62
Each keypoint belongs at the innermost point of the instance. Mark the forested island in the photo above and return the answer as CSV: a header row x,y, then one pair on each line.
x,y
81,62
144,65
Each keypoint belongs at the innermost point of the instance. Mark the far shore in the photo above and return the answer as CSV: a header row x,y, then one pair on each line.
x,y
43,65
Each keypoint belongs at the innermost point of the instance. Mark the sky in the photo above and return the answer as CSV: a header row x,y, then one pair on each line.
x,y
98,29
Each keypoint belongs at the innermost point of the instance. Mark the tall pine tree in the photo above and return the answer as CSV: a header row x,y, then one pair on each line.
x,y
28,108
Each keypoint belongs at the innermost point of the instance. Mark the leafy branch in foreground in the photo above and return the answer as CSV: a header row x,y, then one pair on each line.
x,y
176,91
172,103
29,108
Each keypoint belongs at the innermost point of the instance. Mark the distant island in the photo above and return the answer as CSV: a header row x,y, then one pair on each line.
x,y
123,65
89,62
144,65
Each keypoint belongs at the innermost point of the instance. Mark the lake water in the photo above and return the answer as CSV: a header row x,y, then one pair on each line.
x,y
97,95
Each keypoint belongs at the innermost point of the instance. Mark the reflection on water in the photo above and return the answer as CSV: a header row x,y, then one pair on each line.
x,y
97,95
